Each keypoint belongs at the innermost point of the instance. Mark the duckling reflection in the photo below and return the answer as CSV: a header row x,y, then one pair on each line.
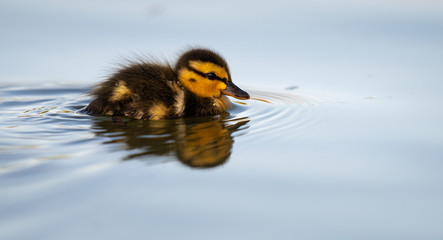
x,y
197,142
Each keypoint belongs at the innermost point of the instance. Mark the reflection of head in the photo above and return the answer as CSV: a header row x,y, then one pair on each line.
x,y
205,145
200,143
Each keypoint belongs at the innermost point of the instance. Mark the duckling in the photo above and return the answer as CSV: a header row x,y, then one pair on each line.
x,y
196,86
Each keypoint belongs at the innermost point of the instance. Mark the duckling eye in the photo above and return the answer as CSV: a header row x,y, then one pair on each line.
x,y
211,76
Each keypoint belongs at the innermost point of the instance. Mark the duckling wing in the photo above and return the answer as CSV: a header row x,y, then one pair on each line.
x,y
139,91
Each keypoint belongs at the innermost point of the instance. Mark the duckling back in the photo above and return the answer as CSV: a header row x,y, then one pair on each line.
x,y
141,91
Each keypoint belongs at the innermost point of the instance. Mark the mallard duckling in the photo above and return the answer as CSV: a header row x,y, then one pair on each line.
x,y
196,86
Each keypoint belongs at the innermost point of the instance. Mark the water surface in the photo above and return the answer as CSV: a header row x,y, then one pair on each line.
x,y
281,163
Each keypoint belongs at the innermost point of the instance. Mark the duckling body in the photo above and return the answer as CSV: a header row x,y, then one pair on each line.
x,y
196,86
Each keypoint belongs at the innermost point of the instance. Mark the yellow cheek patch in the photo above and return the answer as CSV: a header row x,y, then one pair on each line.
x,y
120,92
206,67
199,85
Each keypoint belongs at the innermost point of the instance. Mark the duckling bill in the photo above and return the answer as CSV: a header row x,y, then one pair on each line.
x,y
196,86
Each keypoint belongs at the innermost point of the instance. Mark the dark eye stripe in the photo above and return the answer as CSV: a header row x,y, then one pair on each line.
x,y
204,75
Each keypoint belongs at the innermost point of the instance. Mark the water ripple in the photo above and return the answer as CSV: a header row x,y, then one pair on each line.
x,y
41,125
276,114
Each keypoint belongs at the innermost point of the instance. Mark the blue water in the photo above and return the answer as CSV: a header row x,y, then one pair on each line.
x,y
342,137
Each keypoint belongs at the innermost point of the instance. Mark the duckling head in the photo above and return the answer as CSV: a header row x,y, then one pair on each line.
x,y
206,74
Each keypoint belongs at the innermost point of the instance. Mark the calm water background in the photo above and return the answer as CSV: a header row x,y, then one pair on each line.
x,y
343,138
